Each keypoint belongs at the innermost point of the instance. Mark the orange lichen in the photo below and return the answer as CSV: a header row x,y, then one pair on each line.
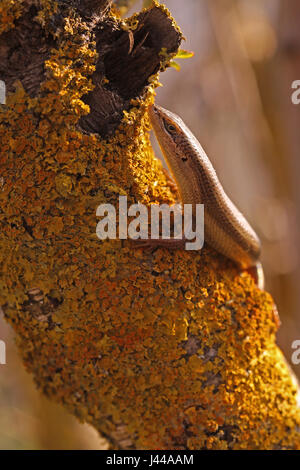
x,y
177,346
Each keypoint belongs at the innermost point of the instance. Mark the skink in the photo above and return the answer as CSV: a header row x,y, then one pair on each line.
x,y
225,228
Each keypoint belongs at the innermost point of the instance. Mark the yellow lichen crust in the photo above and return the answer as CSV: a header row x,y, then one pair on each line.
x,y
178,348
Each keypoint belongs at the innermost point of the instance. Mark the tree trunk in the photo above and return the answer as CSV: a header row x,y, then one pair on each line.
x,y
162,350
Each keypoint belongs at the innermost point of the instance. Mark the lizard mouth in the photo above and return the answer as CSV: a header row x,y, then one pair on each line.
x,y
153,114
152,109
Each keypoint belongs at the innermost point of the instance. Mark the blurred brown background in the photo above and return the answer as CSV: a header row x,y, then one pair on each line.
x,y
235,95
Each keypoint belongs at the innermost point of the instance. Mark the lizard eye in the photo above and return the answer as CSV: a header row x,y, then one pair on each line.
x,y
169,127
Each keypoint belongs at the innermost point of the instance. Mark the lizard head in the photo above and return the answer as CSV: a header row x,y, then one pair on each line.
x,y
176,142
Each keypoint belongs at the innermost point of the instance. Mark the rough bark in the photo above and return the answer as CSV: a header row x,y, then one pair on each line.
x,y
127,58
